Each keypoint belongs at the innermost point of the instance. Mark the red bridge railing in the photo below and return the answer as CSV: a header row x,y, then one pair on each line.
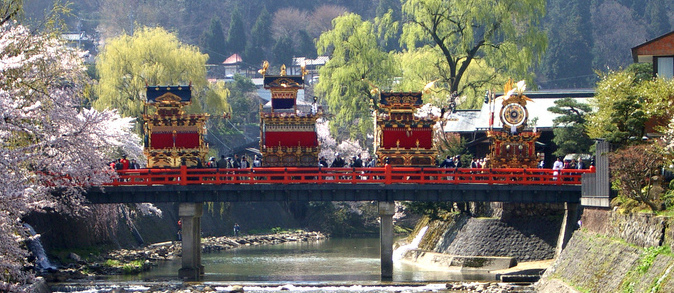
x,y
381,175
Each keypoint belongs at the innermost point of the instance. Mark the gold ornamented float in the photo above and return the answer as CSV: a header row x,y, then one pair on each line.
x,y
513,146
400,136
287,135
171,136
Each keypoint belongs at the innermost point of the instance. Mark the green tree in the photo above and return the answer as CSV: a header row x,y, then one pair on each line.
x,y
213,42
394,8
356,64
420,65
244,108
152,56
236,38
283,51
505,34
306,46
656,15
260,39
625,100
569,127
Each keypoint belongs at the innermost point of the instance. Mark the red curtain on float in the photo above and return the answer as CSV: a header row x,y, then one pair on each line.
x,y
188,140
161,140
166,140
291,138
408,138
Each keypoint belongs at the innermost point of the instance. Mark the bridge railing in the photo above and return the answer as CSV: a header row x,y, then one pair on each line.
x,y
376,175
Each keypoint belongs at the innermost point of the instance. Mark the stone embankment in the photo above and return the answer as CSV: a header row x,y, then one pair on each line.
x,y
615,253
508,232
135,260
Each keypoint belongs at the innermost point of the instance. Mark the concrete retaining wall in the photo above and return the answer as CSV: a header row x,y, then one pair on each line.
x,y
614,253
642,230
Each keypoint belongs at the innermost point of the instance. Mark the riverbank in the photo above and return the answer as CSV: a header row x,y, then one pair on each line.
x,y
133,261
613,252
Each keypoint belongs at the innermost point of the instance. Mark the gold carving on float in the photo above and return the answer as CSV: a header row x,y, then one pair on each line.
x,y
168,98
263,70
276,154
396,114
513,146
170,119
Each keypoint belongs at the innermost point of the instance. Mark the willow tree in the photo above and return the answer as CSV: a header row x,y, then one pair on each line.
x,y
505,35
357,65
152,56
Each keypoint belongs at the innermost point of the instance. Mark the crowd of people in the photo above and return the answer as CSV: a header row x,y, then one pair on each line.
x,y
339,162
242,162
123,164
235,162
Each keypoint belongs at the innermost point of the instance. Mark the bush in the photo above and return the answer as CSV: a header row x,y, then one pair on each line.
x,y
634,173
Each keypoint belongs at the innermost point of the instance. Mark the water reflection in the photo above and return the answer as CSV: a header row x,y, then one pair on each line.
x,y
349,261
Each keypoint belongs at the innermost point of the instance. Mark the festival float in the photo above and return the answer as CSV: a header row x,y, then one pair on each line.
x,y
173,138
512,146
287,135
400,136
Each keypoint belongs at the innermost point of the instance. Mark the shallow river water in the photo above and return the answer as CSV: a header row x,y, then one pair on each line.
x,y
351,265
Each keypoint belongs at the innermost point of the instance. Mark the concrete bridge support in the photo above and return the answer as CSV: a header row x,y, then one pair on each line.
x,y
569,224
190,214
386,211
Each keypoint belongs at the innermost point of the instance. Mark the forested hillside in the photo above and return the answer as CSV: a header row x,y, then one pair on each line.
x,y
583,36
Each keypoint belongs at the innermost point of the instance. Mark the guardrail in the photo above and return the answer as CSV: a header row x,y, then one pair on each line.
x,y
315,175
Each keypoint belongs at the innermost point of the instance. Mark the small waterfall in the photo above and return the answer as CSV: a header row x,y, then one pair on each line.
x,y
35,246
400,251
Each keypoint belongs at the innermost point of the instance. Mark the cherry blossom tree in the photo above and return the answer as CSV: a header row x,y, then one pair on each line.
x,y
329,145
52,147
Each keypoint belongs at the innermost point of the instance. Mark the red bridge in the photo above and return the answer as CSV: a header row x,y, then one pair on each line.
x,y
377,175
192,187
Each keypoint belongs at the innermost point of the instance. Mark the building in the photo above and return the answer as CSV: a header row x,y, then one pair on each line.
x,y
659,52
233,65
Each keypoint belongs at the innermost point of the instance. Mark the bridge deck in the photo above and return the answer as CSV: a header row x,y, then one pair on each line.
x,y
341,184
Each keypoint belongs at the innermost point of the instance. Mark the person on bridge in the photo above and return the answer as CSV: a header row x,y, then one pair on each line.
x,y
236,163
447,163
557,167
134,164
322,162
211,163
357,162
257,162
222,163
338,162
244,163
125,162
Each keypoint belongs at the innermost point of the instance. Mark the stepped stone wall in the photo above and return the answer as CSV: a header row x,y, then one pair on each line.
x,y
614,253
523,231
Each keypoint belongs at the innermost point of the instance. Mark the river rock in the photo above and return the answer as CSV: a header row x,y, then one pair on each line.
x,y
76,258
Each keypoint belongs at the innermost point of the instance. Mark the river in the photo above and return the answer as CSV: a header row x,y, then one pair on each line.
x,y
340,262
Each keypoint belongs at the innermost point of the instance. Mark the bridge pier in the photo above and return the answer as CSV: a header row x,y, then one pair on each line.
x,y
190,214
571,211
386,211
